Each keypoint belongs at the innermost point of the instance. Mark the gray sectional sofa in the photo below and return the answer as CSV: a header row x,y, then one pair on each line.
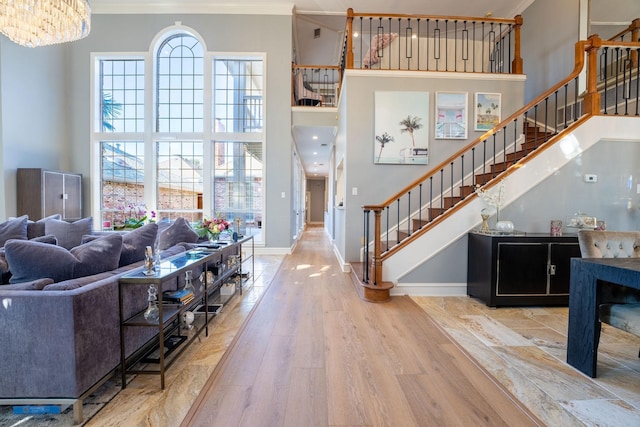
x,y
59,340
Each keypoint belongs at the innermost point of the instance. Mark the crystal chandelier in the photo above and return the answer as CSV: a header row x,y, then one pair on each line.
x,y
35,23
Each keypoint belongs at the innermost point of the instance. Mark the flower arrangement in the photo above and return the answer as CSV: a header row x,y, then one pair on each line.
x,y
135,216
211,228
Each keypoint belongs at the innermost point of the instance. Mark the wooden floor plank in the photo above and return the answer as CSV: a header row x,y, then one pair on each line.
x,y
312,353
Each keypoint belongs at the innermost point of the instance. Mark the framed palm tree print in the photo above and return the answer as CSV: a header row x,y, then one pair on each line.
x,y
488,106
401,128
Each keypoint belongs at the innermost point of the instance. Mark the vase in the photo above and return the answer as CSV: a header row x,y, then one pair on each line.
x,y
485,214
505,226
152,313
214,237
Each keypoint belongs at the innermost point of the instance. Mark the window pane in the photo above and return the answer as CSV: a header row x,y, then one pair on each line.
x,y
120,83
237,189
122,168
237,85
180,83
179,179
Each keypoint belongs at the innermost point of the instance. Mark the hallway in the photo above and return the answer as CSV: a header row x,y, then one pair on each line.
x,y
313,354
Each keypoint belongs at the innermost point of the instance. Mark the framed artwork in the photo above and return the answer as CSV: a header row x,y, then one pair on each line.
x,y
488,107
451,115
401,128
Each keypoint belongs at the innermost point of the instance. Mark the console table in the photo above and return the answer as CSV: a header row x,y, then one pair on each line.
x,y
213,259
520,268
584,323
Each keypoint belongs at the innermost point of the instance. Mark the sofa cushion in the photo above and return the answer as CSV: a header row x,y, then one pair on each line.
x,y
36,228
178,232
34,285
69,235
14,228
135,242
30,260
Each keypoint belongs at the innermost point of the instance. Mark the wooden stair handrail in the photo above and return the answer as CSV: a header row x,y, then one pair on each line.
x,y
579,58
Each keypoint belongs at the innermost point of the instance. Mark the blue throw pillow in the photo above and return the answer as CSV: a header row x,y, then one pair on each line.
x,y
14,228
36,228
69,234
178,232
135,242
29,260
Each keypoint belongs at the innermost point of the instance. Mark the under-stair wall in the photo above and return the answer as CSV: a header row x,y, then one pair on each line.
x,y
549,186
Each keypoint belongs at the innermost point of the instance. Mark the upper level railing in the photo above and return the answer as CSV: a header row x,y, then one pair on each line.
x,y
315,85
499,152
432,43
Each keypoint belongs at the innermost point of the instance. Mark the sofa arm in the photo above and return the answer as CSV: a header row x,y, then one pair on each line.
x,y
58,343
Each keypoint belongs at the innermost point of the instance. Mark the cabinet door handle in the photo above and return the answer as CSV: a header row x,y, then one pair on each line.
x,y
551,270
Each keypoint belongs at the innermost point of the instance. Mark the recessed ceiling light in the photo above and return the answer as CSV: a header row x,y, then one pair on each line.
x,y
314,137
315,153
355,34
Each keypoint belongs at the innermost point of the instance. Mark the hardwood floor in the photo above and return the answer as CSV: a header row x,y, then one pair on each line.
x,y
313,354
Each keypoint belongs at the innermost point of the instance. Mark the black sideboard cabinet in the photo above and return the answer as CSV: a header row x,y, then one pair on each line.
x,y
520,269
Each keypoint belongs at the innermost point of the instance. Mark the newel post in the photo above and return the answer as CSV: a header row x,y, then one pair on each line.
x,y
592,97
349,62
377,248
517,65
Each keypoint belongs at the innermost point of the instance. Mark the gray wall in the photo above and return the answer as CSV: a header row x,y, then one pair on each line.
x,y
46,93
33,120
613,198
376,183
549,34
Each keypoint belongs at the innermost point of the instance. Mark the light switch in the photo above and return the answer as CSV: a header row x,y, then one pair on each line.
x,y
283,195
354,191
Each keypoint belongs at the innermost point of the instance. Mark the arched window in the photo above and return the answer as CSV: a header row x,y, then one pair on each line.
x,y
179,85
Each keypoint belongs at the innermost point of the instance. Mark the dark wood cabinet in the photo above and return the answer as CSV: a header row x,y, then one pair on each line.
x,y
527,269
43,192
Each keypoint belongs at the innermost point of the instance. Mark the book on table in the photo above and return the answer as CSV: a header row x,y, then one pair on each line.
x,y
178,296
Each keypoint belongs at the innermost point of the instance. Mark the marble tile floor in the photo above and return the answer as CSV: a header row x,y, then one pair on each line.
x,y
525,350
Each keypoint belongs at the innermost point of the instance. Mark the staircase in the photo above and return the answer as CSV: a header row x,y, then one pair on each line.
x,y
494,156
533,137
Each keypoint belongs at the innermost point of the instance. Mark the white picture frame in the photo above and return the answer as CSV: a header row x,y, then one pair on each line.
x,y
451,115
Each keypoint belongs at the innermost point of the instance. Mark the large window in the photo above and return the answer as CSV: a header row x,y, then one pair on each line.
x,y
178,148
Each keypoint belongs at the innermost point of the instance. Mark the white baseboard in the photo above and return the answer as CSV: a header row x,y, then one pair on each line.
x,y
430,289
273,251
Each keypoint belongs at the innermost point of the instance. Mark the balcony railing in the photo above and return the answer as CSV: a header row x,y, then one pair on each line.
x,y
432,43
314,85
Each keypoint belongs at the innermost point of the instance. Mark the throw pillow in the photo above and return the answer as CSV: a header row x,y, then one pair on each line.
x,y
36,228
178,232
29,260
15,228
135,242
69,235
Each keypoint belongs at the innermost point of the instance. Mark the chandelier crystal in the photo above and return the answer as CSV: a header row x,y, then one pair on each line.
x,y
34,23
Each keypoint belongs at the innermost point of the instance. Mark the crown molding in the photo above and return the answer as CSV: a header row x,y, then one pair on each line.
x,y
175,7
